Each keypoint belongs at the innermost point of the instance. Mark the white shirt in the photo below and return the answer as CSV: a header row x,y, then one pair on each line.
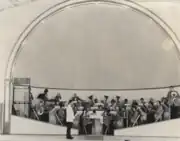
x,y
69,114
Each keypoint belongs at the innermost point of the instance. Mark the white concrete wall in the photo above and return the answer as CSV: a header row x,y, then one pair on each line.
x,y
26,126
162,129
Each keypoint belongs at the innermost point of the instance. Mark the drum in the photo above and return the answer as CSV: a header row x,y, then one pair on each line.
x,y
166,115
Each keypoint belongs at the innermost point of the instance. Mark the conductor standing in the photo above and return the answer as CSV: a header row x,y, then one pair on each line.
x,y
69,119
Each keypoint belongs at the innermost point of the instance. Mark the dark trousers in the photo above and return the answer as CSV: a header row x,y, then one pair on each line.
x,y
174,112
150,118
104,129
108,130
69,126
44,117
89,129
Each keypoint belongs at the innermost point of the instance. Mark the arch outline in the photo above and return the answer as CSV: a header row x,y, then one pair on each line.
x,y
17,47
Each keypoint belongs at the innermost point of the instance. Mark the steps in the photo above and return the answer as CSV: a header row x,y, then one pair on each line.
x,y
78,138
90,137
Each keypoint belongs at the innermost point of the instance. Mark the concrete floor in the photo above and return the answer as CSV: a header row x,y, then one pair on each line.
x,y
62,138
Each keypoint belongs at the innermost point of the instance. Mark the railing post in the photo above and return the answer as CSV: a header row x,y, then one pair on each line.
x,y
1,118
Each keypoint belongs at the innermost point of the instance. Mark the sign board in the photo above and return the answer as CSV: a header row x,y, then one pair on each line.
x,y
21,81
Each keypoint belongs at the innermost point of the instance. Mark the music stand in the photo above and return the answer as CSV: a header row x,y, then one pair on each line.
x,y
127,114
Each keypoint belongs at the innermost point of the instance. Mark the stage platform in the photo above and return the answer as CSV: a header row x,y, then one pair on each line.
x,y
82,138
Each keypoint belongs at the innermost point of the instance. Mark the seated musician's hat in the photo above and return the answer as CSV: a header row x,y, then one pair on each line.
x,y
142,99
171,87
95,99
90,97
58,95
113,100
46,90
106,97
118,97
152,99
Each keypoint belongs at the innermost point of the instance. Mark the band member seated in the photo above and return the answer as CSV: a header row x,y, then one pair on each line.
x,y
61,114
143,111
79,105
108,123
135,114
58,98
113,105
85,122
118,103
175,108
105,102
81,125
172,93
91,100
119,119
96,101
159,111
166,108
173,96
125,102
69,119
76,98
126,110
44,97
151,112
143,105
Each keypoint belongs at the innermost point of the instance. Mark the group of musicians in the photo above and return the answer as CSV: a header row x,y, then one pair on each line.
x,y
116,113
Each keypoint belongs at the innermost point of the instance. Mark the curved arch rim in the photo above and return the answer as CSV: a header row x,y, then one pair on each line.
x,y
17,46
44,15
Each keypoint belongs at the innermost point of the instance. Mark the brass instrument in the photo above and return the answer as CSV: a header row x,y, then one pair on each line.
x,y
176,101
40,107
173,98
43,107
172,95
40,111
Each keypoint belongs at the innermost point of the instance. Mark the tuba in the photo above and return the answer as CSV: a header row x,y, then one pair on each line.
x,y
40,111
40,107
173,98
